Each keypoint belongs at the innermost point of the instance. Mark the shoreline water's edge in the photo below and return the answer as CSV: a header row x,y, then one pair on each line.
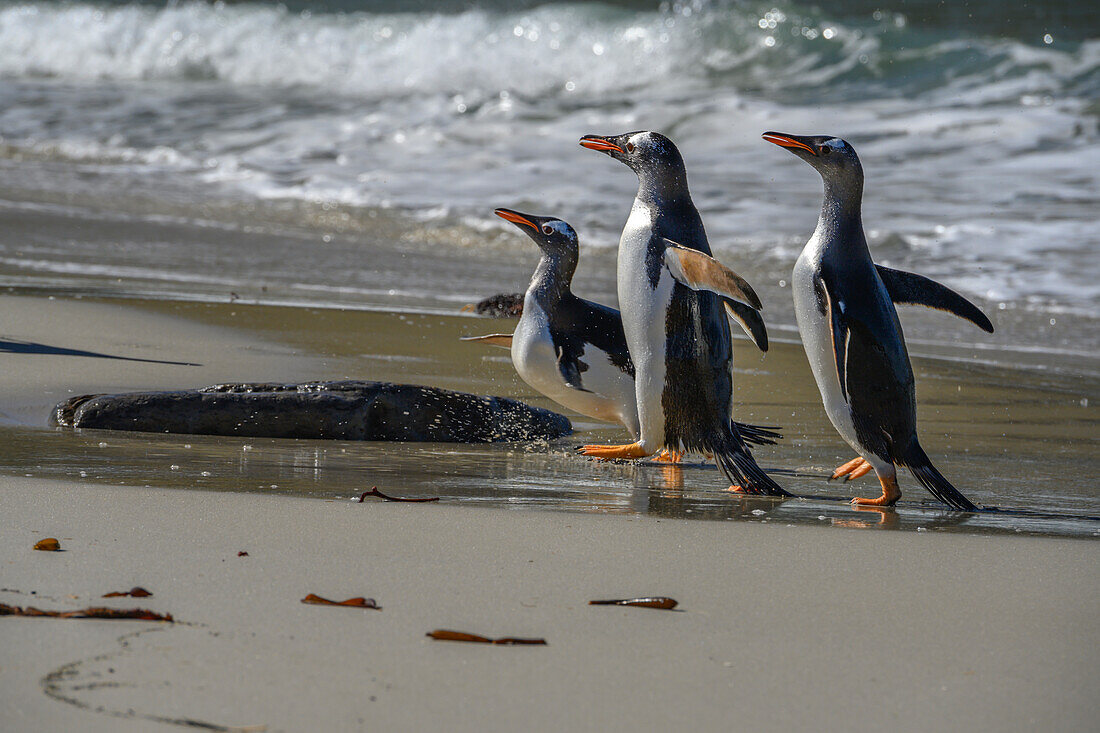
x,y
88,346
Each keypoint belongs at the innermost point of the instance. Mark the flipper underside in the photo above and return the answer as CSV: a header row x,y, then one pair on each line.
x,y
702,272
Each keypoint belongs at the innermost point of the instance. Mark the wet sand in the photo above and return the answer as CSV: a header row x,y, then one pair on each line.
x,y
1023,440
790,619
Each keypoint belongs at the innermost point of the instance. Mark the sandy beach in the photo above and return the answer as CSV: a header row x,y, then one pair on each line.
x,y
778,628
782,624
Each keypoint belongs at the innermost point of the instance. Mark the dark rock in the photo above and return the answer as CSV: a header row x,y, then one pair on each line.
x,y
349,410
505,305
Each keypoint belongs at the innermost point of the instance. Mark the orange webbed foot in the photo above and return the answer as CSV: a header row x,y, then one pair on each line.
x,y
633,450
669,456
737,489
865,501
860,472
890,494
853,469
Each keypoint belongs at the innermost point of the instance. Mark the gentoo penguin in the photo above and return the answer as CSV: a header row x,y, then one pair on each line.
x,y
844,304
572,350
675,299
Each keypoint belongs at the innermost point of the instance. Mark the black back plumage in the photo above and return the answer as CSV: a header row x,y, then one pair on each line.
x,y
876,374
575,323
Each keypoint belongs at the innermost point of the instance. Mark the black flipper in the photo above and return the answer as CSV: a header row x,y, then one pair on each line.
x,y
839,336
917,461
575,323
749,320
739,467
907,288
571,371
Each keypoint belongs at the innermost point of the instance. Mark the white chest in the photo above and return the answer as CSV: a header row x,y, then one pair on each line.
x,y
644,306
533,353
815,329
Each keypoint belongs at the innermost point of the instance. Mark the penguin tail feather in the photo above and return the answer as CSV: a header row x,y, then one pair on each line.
x,y
739,467
917,461
758,434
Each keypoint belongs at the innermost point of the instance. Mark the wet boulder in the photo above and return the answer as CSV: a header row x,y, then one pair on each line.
x,y
347,410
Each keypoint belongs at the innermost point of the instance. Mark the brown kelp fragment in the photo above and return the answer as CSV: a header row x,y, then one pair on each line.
x,y
656,602
137,614
135,592
351,602
50,544
375,492
447,635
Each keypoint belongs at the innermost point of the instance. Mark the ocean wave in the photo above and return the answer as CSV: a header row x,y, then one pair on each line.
x,y
572,53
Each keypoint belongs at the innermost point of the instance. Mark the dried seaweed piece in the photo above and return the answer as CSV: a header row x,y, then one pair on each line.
x,y
135,592
655,602
50,544
359,602
447,635
137,614
375,492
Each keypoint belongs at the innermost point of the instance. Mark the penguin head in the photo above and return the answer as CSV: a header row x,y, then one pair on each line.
x,y
647,153
553,236
833,158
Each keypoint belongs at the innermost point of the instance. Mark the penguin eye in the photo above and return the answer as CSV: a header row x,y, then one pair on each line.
x,y
547,229
630,147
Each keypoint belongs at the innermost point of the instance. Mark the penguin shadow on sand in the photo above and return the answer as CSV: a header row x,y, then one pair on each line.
x,y
32,348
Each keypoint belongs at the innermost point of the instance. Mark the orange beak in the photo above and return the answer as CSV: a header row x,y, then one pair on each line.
x,y
515,217
786,141
595,142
